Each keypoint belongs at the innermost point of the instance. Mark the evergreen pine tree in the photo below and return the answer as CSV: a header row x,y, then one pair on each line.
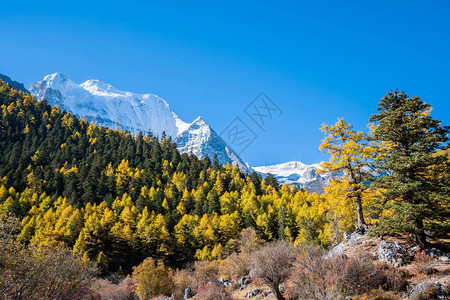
x,y
416,187
272,181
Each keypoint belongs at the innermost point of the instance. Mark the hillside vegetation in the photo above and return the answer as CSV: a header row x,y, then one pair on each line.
x,y
134,204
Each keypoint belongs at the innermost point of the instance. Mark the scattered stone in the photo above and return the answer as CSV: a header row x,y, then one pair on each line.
x,y
347,235
249,294
225,282
188,293
256,291
416,290
444,258
434,252
266,293
244,280
393,253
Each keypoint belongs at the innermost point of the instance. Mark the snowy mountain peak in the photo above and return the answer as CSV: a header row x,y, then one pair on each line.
x,y
107,106
200,139
297,173
199,123
57,80
55,77
199,120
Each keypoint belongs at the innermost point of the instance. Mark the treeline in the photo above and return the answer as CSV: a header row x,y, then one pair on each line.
x,y
117,198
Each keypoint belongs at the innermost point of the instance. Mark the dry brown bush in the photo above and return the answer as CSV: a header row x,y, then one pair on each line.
x,y
184,278
236,265
214,291
239,264
40,272
272,263
393,279
358,275
205,271
318,277
105,289
314,277
423,263
196,277
44,273
381,294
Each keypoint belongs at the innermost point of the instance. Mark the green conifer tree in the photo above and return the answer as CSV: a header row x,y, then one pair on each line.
x,y
416,187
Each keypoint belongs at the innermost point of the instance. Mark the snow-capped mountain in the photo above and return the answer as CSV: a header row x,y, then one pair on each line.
x,y
298,174
108,106
191,140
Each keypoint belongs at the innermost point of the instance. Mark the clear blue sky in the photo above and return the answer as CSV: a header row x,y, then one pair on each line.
x,y
318,60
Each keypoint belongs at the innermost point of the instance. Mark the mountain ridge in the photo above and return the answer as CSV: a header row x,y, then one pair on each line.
x,y
15,84
299,174
108,106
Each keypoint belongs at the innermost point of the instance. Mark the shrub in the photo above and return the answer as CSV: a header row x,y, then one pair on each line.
x,y
40,272
393,279
236,265
44,273
152,278
317,277
239,264
182,279
272,263
214,291
105,289
205,271
359,275
423,263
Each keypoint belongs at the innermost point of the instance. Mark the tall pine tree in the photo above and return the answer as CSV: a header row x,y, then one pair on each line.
x,y
416,187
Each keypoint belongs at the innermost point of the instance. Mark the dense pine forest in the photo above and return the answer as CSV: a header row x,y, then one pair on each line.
x,y
115,199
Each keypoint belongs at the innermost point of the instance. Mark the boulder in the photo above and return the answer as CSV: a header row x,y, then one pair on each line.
x,y
419,288
244,280
266,293
393,253
188,293
225,282
256,291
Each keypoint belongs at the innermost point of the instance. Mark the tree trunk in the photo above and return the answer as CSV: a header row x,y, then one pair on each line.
x,y
420,236
277,292
361,226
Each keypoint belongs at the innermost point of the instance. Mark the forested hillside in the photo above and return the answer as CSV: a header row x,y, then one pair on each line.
x,y
118,198
132,204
